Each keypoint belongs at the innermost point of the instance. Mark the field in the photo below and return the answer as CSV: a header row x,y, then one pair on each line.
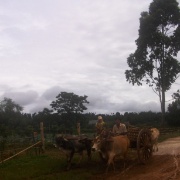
x,y
51,165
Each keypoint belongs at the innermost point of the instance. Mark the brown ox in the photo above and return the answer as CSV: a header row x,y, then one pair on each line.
x,y
154,136
111,147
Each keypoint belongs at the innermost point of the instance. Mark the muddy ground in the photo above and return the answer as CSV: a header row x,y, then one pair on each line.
x,y
164,165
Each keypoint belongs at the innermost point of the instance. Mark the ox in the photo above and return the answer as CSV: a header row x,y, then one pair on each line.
x,y
154,136
111,147
73,144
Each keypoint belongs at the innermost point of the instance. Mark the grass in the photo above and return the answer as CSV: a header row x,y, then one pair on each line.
x,y
28,167
167,136
51,166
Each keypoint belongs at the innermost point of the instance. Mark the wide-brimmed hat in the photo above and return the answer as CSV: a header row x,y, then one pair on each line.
x,y
99,117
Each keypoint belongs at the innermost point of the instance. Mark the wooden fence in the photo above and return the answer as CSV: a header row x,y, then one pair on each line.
x,y
15,149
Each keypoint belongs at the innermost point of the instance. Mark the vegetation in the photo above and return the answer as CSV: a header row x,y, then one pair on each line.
x,y
15,123
69,103
174,110
154,61
52,164
167,136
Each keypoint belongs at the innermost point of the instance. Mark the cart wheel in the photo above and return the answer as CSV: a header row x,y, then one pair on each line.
x,y
144,146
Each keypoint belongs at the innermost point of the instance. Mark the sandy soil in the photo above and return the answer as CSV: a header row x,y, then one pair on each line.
x,y
164,165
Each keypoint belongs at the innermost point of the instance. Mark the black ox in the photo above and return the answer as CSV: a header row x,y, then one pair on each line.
x,y
74,144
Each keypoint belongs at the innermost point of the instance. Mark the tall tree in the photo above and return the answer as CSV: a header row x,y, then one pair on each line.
x,y
7,105
176,95
154,61
69,103
176,103
174,110
10,116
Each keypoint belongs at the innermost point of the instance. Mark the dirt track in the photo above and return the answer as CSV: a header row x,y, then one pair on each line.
x,y
170,146
164,165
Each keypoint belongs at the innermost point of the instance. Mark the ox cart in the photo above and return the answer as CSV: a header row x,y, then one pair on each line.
x,y
140,139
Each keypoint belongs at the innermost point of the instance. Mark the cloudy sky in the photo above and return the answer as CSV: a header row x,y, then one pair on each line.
x,y
78,46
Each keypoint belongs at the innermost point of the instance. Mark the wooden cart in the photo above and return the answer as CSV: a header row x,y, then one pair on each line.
x,y
140,139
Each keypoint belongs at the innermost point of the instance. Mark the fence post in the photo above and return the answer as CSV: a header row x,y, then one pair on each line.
x,y
42,136
78,128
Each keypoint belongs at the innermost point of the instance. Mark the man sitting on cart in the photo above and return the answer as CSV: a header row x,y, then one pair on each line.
x,y
100,125
119,128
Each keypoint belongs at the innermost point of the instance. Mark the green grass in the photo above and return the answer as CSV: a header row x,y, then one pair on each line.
x,y
50,166
28,167
167,136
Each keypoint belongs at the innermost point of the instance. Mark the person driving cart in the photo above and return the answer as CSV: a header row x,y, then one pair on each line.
x,y
119,128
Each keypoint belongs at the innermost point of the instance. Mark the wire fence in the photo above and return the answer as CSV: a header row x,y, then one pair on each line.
x,y
12,144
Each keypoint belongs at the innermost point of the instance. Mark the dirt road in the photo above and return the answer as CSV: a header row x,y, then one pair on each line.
x,y
164,165
170,146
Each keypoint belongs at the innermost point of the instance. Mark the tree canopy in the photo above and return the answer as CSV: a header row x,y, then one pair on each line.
x,y
175,105
10,116
8,105
154,61
16,123
69,103
176,95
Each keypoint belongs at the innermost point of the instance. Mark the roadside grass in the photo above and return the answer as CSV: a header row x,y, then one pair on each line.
x,y
51,166
28,167
164,137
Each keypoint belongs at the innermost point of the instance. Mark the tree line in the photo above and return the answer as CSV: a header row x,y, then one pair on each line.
x,y
68,110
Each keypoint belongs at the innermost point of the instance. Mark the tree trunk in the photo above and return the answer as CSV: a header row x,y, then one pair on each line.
x,y
163,81
163,107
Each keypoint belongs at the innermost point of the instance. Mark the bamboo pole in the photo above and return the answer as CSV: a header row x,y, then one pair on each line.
x,y
20,152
